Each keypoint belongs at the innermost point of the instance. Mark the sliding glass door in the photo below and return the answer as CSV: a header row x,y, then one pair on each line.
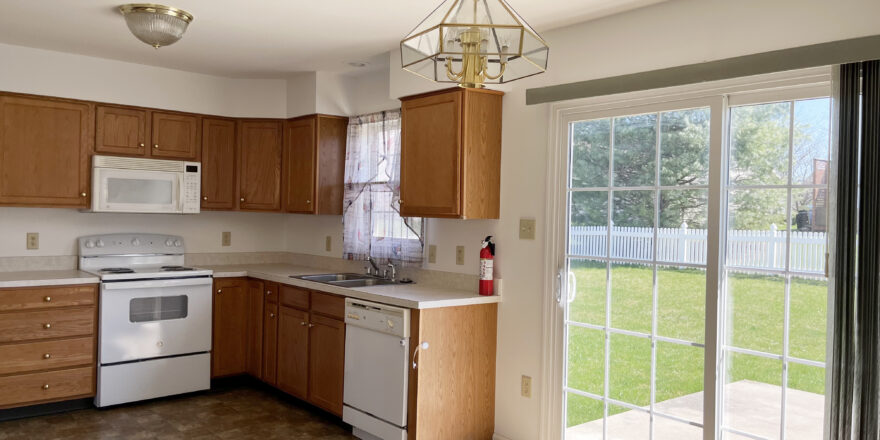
x,y
680,321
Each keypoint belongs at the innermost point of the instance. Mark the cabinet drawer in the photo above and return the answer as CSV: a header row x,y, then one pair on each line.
x,y
328,305
294,297
53,385
45,355
46,297
44,324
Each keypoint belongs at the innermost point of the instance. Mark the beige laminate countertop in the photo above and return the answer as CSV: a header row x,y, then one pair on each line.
x,y
411,296
36,278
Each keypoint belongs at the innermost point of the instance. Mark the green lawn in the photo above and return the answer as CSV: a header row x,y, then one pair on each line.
x,y
757,324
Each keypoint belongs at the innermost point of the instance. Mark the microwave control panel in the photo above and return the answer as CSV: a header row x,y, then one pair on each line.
x,y
192,187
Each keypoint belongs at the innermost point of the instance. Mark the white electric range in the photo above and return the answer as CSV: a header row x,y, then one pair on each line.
x,y
154,324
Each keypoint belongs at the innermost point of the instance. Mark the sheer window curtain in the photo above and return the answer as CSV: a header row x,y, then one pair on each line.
x,y
855,361
372,225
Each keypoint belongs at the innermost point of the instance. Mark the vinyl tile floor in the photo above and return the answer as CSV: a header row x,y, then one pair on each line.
x,y
234,412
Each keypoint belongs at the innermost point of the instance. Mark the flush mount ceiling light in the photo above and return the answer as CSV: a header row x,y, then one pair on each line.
x,y
156,25
472,43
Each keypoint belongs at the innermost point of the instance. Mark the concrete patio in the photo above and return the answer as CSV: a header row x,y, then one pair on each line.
x,y
753,407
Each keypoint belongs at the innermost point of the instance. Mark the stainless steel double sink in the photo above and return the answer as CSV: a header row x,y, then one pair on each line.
x,y
347,279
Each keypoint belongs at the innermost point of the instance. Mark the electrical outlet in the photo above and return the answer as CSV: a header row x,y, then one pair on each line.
x,y
432,253
526,386
33,240
459,255
526,229
227,238
328,243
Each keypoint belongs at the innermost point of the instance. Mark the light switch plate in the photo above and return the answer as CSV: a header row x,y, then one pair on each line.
x,y
432,253
459,255
527,229
526,386
33,240
227,238
328,243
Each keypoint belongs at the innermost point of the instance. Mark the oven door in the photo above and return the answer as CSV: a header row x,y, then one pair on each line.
x,y
119,190
154,318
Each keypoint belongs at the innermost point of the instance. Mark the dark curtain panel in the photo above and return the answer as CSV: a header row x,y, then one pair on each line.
x,y
855,362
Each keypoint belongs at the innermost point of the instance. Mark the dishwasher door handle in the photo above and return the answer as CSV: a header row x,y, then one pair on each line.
x,y
422,346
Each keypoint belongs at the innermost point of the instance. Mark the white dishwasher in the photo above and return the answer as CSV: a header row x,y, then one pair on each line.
x,y
376,370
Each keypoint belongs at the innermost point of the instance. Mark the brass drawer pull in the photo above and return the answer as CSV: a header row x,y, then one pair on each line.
x,y
47,298
46,386
141,144
47,326
156,146
47,356
271,315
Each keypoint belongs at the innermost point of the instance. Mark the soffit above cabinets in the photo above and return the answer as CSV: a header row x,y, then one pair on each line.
x,y
260,39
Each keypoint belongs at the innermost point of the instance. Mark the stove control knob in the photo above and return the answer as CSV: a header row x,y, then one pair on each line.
x,y
169,242
135,242
177,243
90,244
100,243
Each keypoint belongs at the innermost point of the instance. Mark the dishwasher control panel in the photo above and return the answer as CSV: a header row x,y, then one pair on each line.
x,y
377,317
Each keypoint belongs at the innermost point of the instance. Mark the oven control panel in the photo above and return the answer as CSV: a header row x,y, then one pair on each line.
x,y
126,244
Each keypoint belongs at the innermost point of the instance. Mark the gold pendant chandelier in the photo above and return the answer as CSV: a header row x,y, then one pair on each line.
x,y
473,43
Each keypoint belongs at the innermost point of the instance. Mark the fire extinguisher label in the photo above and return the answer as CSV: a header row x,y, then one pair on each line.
x,y
485,269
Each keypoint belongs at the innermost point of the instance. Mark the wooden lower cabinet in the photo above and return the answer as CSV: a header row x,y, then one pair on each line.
x,y
270,343
326,363
255,328
455,377
47,344
293,352
229,351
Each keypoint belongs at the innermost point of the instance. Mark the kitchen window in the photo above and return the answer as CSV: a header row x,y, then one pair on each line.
x,y
372,225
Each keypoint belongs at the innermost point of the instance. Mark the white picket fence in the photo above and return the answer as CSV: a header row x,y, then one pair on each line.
x,y
745,248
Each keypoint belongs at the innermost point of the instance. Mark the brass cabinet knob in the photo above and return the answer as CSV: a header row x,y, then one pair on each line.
x,y
271,315
268,292
47,356
219,290
308,201
47,325
311,325
46,386
141,144
205,198
156,146
242,199
82,194
302,323
47,298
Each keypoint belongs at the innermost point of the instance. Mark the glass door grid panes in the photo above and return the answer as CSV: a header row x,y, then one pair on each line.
x,y
638,190
636,258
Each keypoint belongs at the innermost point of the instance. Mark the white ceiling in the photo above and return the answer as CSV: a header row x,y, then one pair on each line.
x,y
259,38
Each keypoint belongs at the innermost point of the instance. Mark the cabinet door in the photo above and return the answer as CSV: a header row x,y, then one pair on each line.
x,y
293,351
175,136
229,351
270,342
299,166
430,167
121,131
332,137
44,152
259,166
255,329
326,363
218,164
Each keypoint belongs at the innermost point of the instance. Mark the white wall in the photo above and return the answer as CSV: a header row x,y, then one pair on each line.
x,y
301,98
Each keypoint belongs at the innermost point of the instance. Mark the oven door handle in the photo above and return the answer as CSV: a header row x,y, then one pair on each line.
x,y
152,284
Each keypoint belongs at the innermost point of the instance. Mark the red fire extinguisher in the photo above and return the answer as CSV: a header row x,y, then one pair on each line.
x,y
487,256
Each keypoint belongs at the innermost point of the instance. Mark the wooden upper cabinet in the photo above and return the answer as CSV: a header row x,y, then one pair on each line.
x,y
229,353
259,165
218,164
175,136
451,154
314,164
44,151
121,130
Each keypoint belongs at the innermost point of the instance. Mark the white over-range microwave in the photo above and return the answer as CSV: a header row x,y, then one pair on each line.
x,y
127,184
